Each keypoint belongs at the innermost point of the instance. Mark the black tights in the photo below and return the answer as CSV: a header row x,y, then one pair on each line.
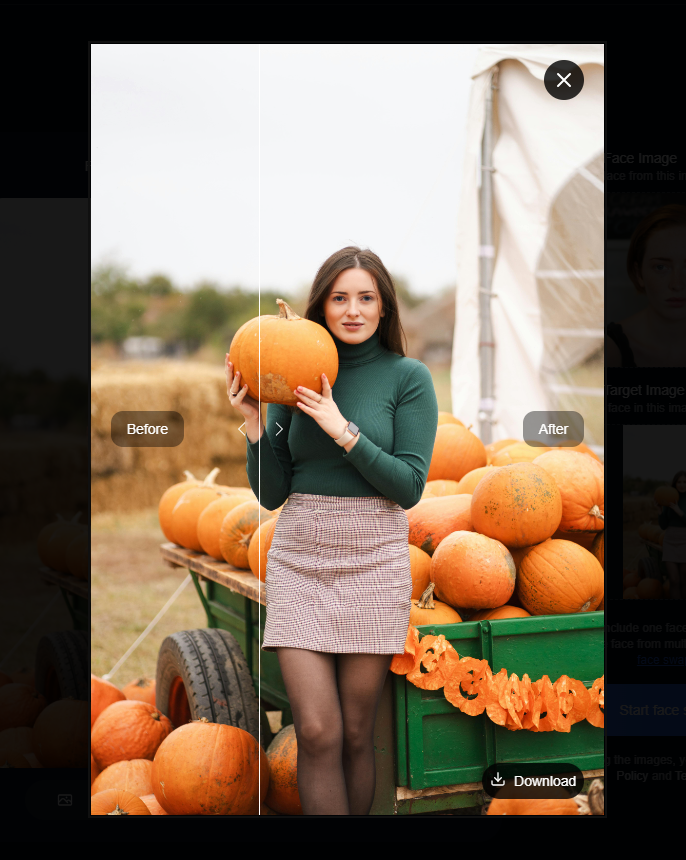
x,y
334,699
677,580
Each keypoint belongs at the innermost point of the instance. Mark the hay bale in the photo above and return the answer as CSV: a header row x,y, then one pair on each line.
x,y
135,478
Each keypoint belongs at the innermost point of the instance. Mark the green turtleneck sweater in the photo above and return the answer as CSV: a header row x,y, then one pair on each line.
x,y
392,400
669,518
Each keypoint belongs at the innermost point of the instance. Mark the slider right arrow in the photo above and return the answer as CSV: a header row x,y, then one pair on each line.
x,y
280,428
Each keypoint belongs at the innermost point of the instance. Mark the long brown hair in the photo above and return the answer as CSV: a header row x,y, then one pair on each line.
x,y
675,479
666,216
390,331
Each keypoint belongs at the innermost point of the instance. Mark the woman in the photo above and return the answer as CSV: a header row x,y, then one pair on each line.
x,y
338,582
673,520
656,265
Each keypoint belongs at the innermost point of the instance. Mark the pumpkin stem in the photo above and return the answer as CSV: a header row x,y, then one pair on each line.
x,y
286,312
155,715
189,475
426,601
209,480
117,811
595,512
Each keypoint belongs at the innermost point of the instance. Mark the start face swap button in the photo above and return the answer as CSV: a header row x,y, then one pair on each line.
x,y
147,429
553,429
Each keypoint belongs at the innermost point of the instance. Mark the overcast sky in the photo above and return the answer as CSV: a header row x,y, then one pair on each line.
x,y
654,452
247,164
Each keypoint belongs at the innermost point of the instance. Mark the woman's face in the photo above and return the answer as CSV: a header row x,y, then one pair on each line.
x,y
663,272
681,484
353,298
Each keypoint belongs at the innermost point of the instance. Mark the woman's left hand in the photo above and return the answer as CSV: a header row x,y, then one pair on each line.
x,y
324,411
676,509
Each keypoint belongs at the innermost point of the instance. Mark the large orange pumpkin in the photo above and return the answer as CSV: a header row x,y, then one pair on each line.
x,y
519,505
205,768
19,706
630,594
128,730
282,754
666,496
581,448
114,801
471,479
456,451
142,690
581,482
237,528
94,769
184,516
506,611
649,589
133,776
448,418
103,694
211,519
443,488
472,571
78,556
260,544
520,452
60,734
525,806
420,568
430,520
55,548
288,350
559,577
426,610
171,496
46,534
494,447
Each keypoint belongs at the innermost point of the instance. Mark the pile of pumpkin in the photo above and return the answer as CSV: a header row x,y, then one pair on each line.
x,y
63,546
35,733
143,765
227,523
508,530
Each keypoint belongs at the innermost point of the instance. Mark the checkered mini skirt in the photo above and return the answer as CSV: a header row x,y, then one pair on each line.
x,y
338,576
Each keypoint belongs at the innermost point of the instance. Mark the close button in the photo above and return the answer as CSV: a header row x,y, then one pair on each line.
x,y
563,80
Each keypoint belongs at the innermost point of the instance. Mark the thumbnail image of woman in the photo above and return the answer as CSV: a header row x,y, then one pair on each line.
x,y
673,520
656,264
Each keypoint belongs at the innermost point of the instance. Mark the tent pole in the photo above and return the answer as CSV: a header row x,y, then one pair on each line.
x,y
487,255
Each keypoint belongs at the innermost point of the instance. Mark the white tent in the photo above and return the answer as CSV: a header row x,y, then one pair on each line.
x,y
547,248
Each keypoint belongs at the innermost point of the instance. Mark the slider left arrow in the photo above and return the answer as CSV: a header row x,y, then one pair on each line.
x,y
242,425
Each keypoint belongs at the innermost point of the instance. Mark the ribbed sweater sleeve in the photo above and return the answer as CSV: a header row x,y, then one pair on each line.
x,y
401,476
276,460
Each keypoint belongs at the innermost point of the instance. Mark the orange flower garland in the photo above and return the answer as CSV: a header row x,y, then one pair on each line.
x,y
537,706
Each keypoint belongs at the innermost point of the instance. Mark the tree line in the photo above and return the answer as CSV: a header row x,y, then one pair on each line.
x,y
123,307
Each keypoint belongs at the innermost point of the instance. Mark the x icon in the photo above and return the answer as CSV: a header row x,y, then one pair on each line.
x,y
564,80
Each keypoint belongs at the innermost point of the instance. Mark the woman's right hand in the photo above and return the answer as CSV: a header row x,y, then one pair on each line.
x,y
238,396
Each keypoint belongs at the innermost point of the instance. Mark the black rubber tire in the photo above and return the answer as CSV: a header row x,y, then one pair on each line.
x,y
61,668
213,671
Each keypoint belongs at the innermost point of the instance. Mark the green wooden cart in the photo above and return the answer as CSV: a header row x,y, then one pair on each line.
x,y
430,757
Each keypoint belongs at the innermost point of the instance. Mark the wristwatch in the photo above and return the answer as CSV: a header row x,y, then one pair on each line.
x,y
348,434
